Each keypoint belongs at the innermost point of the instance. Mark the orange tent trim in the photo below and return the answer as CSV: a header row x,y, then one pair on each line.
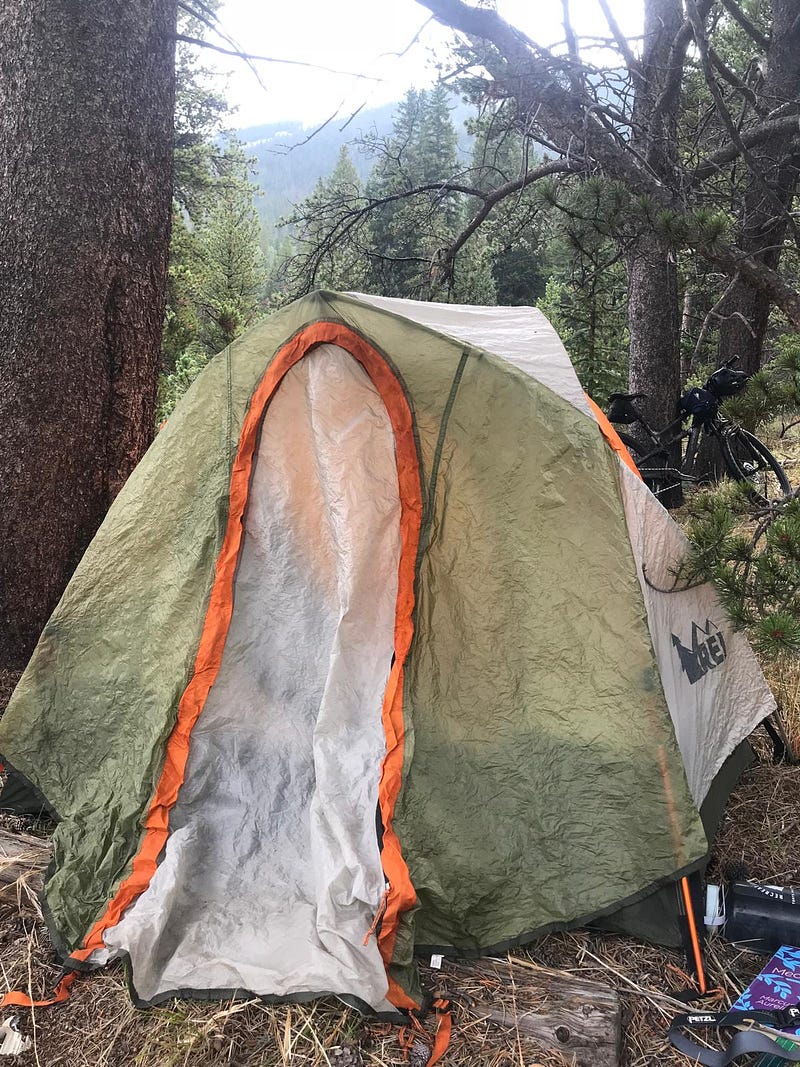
x,y
401,895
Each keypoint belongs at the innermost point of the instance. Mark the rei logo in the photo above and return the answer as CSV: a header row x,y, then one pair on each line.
x,y
706,652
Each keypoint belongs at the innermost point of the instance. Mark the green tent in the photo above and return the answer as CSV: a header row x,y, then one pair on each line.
x,y
363,662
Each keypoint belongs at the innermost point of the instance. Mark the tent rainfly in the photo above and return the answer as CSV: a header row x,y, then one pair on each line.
x,y
372,657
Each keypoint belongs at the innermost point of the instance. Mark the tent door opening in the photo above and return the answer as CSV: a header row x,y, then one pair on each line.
x,y
272,875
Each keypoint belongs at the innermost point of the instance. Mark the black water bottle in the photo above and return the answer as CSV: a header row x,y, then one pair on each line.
x,y
763,917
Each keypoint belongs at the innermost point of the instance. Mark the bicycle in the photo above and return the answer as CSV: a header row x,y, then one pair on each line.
x,y
746,459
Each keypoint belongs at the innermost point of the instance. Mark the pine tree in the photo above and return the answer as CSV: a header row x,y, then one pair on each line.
x,y
408,235
218,286
399,259
585,293
752,552
229,280
391,238
320,263
513,250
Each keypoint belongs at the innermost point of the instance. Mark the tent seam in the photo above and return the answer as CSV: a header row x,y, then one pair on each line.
x,y
430,503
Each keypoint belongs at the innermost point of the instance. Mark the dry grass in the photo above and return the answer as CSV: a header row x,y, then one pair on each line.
x,y
99,1027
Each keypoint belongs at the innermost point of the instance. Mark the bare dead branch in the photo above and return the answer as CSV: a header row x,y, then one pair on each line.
x,y
752,270
749,27
502,192
634,66
208,17
713,313
314,132
272,59
357,111
413,41
733,79
675,63
750,139
701,41
572,45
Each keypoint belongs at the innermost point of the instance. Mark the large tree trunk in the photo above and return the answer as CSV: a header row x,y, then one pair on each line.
x,y
768,195
653,318
653,315
86,130
654,328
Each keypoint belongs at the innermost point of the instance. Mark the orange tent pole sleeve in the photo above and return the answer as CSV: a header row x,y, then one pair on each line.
x,y
612,436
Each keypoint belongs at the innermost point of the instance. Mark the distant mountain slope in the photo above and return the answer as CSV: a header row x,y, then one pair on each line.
x,y
287,169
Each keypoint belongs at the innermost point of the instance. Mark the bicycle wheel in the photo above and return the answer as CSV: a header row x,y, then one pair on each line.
x,y
748,460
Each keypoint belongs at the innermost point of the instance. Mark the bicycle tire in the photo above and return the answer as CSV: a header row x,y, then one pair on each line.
x,y
749,460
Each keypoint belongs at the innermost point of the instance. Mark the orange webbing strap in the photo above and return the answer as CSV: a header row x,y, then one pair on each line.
x,y
444,1031
378,916
690,919
405,1039
441,1041
21,1000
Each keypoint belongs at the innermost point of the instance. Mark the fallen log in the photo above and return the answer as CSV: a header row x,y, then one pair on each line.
x,y
23,856
582,1020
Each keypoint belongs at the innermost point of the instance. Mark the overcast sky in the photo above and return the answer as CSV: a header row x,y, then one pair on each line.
x,y
364,37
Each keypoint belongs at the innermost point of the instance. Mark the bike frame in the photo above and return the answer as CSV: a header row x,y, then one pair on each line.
x,y
674,434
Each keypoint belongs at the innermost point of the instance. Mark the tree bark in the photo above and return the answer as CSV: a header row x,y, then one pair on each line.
x,y
762,225
86,132
654,329
653,316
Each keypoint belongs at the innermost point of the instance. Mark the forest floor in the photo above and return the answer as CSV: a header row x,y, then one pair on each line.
x,y
99,1027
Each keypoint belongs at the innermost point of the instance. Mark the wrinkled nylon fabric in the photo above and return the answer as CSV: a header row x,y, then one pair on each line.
x,y
542,779
89,721
522,335
272,874
714,687
715,713
544,755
